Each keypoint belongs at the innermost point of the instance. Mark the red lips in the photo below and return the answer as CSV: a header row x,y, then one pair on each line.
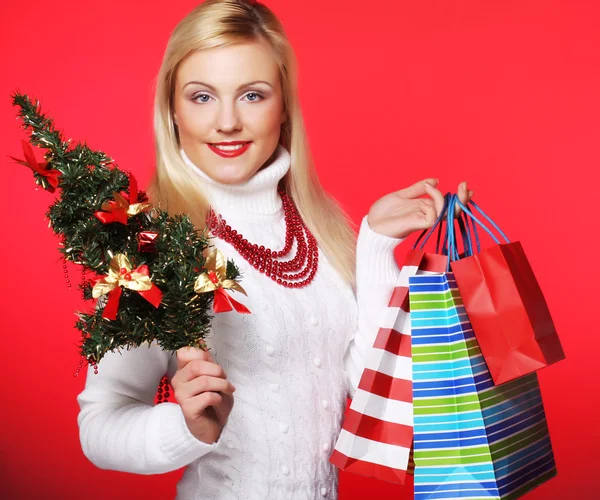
x,y
230,154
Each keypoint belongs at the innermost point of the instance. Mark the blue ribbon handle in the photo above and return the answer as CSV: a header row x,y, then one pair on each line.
x,y
451,246
466,235
451,243
475,233
475,219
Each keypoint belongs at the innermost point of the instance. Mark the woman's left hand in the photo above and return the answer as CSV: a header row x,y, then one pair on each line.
x,y
399,213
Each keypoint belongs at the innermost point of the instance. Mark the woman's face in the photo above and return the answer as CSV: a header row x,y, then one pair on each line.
x,y
227,94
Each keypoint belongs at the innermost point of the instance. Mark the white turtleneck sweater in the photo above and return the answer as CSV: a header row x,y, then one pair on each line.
x,y
293,361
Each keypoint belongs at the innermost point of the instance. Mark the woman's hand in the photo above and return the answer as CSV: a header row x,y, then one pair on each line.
x,y
400,213
202,390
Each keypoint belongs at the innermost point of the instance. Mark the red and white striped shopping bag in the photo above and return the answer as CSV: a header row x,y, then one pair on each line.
x,y
377,434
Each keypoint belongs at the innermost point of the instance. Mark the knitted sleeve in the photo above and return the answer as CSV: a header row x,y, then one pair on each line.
x,y
376,276
121,429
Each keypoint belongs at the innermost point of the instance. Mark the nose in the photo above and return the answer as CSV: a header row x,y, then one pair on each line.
x,y
228,118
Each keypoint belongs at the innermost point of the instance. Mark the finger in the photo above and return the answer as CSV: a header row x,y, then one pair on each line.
x,y
417,189
438,198
426,202
463,192
187,354
431,216
426,216
195,406
205,383
197,368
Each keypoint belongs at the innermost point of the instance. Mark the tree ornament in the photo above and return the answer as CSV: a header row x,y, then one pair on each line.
x,y
214,279
147,241
121,275
49,175
119,209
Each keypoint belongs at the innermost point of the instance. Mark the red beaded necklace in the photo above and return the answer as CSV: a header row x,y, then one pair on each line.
x,y
263,258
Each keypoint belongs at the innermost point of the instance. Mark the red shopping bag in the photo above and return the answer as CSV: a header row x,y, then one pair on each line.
x,y
377,433
506,308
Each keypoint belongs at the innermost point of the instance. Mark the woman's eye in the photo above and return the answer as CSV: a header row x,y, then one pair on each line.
x,y
253,97
256,94
198,96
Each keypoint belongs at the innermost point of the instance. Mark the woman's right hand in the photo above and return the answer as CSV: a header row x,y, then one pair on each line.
x,y
202,390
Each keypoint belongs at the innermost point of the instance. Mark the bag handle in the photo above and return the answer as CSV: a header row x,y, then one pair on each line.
x,y
465,228
465,234
468,214
475,233
494,225
451,245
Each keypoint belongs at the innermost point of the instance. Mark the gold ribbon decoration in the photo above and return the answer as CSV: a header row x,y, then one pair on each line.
x,y
214,279
121,274
120,209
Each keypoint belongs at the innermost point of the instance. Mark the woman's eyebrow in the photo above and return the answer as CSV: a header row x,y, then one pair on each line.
x,y
239,88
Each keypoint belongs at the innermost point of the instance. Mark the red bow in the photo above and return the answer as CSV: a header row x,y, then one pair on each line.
x,y
41,168
223,302
121,275
120,208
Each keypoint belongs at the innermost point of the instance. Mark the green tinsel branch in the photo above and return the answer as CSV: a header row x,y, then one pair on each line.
x,y
87,180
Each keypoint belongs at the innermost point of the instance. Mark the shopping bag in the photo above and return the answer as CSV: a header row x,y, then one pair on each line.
x,y
505,304
472,439
377,434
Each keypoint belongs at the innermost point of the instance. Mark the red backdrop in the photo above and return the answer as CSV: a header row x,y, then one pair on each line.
x,y
503,94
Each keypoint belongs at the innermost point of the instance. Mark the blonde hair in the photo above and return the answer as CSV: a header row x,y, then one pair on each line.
x,y
174,188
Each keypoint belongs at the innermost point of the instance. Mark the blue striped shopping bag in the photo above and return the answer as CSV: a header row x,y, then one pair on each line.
x,y
472,439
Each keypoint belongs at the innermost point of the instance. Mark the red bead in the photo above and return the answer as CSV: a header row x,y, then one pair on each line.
x,y
263,259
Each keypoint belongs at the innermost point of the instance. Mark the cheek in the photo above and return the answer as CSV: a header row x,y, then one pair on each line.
x,y
187,116
192,121
268,119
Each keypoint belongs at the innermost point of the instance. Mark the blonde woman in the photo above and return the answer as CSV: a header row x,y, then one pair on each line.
x,y
231,148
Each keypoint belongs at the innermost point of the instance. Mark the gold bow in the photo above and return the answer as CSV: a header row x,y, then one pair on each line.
x,y
122,203
121,274
213,277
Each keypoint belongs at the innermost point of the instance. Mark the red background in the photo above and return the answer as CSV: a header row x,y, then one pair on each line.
x,y
503,94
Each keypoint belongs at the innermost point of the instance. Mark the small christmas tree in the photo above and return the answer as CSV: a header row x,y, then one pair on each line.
x,y
153,279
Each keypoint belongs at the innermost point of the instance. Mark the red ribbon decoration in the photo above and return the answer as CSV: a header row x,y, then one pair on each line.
x,y
223,302
51,175
154,295
117,210
117,213
133,190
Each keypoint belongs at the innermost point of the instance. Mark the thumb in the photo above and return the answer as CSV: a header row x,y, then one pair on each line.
x,y
186,354
418,189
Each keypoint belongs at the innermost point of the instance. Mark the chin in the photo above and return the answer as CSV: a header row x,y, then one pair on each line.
x,y
234,178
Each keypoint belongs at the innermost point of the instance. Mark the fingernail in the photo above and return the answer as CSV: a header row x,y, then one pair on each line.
x,y
427,185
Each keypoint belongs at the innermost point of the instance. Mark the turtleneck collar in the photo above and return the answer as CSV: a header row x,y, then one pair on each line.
x,y
257,197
